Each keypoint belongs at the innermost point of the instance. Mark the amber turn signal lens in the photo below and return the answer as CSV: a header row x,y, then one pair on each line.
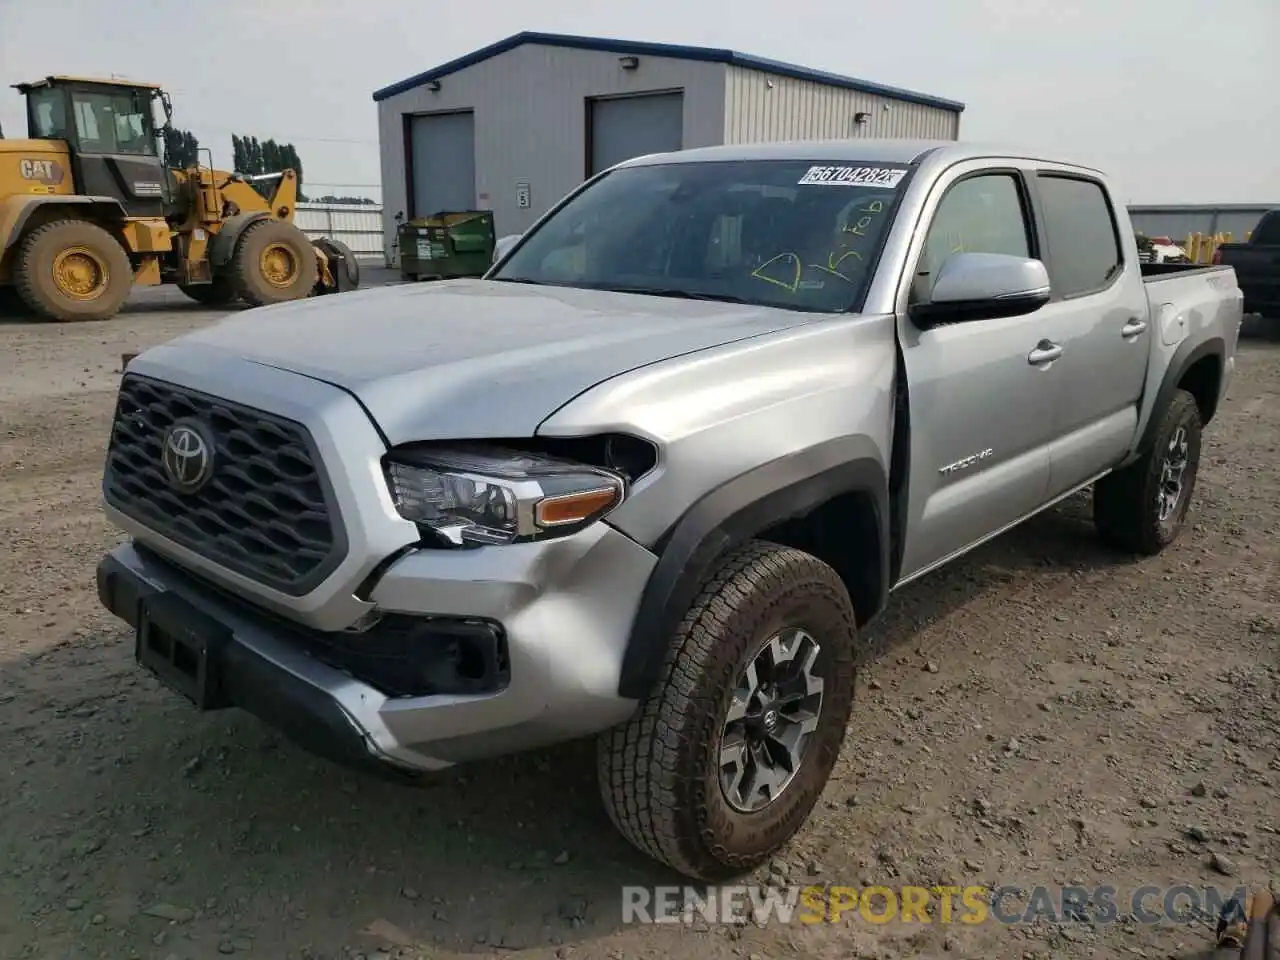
x,y
574,507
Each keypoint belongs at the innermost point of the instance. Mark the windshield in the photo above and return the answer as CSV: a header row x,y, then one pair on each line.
x,y
113,122
786,234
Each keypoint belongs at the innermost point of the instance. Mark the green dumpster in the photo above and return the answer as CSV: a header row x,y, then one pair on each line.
x,y
447,244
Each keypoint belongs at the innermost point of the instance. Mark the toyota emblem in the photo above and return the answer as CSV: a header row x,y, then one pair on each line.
x,y
187,456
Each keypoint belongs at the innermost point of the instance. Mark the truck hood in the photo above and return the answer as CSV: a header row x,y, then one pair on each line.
x,y
472,359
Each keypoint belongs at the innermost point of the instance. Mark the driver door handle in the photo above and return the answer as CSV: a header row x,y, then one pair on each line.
x,y
1046,351
1135,326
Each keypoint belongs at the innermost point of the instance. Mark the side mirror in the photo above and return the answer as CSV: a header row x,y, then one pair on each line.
x,y
984,286
504,244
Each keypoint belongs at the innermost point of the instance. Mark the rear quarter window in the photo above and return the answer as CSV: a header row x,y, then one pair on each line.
x,y
1083,243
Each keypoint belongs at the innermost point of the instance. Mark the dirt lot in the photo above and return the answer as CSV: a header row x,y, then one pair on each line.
x,y
1043,712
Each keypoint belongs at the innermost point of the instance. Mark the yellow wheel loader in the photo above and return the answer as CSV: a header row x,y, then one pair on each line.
x,y
89,208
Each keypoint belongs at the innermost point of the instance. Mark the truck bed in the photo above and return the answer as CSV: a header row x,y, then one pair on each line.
x,y
1156,272
1185,298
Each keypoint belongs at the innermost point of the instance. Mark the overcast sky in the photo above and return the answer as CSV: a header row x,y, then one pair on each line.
x,y
1178,99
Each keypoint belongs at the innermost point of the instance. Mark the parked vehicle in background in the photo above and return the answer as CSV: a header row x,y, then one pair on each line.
x,y
89,210
1257,265
651,476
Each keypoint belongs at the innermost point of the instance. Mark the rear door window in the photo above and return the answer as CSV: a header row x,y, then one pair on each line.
x,y
1084,245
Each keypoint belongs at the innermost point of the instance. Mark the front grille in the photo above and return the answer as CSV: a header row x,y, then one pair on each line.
x,y
266,511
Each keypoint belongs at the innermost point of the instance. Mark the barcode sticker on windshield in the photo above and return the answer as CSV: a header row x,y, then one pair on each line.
x,y
886,177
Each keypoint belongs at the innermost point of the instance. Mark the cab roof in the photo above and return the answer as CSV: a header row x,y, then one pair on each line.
x,y
852,150
102,81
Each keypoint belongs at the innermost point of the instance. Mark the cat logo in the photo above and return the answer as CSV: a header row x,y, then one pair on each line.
x,y
43,171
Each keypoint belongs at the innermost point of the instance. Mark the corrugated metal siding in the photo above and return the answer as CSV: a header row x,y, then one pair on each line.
x,y
530,115
1178,222
359,226
763,107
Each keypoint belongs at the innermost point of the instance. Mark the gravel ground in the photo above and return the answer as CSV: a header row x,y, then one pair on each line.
x,y
1042,712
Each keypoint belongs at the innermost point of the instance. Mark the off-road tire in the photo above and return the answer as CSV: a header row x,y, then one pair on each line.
x,y
1125,509
659,772
246,275
217,293
33,271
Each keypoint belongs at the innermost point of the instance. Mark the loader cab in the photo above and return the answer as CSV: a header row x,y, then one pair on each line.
x,y
110,129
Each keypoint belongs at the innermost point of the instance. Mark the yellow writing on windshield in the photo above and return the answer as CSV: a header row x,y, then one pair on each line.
x,y
785,269
859,229
790,284
833,264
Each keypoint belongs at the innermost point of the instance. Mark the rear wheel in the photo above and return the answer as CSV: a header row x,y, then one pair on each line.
x,y
215,294
273,263
723,762
72,270
1142,507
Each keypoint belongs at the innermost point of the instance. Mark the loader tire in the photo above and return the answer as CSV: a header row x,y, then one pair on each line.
x,y
69,270
216,294
273,263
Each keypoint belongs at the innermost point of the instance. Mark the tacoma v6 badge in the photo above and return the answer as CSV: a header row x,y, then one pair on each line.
x,y
966,463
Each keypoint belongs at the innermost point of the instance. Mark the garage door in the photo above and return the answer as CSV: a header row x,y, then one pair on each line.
x,y
626,127
443,149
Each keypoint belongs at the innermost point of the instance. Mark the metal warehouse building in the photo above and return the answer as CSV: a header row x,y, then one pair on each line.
x,y
515,126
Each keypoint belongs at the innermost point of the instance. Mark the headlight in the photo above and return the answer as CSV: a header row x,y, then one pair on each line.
x,y
486,495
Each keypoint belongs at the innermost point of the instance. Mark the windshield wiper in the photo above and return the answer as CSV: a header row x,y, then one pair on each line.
x,y
677,294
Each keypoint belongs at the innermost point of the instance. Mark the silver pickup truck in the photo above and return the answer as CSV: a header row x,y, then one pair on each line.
x,y
651,477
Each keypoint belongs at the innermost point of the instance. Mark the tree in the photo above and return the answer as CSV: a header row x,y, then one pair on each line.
x,y
271,157
181,148
254,157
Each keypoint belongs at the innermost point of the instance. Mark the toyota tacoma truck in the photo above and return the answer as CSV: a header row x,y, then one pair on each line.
x,y
651,477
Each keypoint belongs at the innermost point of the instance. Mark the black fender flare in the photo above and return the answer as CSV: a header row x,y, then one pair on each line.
x,y
1184,358
30,205
223,243
733,513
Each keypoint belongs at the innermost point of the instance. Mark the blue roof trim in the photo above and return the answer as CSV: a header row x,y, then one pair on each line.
x,y
674,51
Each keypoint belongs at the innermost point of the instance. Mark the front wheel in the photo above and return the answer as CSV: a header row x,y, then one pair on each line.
x,y
723,762
1141,508
273,263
